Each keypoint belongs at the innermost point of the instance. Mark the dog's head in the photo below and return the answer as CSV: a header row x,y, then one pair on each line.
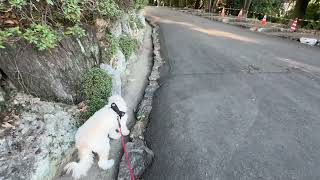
x,y
119,101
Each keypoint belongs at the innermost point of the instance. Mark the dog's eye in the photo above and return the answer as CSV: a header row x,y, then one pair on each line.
x,y
117,130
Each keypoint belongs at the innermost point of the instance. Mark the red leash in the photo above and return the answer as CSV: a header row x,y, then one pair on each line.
x,y
126,152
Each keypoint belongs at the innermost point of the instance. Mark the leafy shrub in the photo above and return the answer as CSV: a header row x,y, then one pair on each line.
x,y
135,21
128,45
96,87
42,22
109,8
4,35
113,44
76,31
93,105
72,10
18,3
140,4
42,36
312,12
96,84
139,23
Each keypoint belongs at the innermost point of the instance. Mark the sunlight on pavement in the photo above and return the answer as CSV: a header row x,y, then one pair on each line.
x,y
213,32
208,31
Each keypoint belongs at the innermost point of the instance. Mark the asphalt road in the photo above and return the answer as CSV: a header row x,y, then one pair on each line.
x,y
233,104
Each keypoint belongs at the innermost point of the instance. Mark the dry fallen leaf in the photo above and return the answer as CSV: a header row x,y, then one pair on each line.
x,y
9,22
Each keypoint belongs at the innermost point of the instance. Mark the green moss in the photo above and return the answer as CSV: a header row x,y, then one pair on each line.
x,y
96,87
128,45
139,23
135,21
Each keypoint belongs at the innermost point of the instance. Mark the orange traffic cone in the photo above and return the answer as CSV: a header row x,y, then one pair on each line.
x,y
264,20
240,13
223,12
294,25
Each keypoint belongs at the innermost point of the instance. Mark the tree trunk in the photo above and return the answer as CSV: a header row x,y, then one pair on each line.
x,y
53,74
246,7
300,8
214,6
197,4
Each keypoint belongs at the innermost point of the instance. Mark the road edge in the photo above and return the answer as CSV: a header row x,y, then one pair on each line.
x,y
140,155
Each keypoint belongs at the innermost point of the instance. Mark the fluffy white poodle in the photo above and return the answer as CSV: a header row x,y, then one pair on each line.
x,y
94,134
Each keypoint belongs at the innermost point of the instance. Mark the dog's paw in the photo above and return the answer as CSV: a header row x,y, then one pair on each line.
x,y
70,167
73,169
107,164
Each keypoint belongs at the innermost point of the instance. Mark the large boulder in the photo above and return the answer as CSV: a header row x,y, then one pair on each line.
x,y
53,74
35,137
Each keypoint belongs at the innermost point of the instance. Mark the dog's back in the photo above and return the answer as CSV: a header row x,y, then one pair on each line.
x,y
97,126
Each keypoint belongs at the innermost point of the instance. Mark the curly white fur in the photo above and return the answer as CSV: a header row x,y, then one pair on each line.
x,y
93,135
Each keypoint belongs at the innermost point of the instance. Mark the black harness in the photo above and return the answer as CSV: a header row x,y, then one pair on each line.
x,y
115,108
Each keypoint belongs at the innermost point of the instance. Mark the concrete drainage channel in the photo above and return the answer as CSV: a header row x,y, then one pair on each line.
x,y
140,155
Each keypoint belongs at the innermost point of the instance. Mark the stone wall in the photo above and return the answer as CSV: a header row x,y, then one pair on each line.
x,y
52,74
37,137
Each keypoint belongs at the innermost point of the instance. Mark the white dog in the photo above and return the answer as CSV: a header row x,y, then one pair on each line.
x,y
93,135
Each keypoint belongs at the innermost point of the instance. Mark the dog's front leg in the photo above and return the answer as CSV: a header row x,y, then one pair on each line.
x,y
123,122
103,152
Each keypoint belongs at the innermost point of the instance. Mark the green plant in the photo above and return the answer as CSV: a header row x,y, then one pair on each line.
x,y
96,84
42,36
135,21
96,87
93,105
139,23
109,8
76,31
4,35
140,4
17,3
132,22
111,49
72,10
141,118
128,45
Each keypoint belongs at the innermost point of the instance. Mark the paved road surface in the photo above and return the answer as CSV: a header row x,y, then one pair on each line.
x,y
233,104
